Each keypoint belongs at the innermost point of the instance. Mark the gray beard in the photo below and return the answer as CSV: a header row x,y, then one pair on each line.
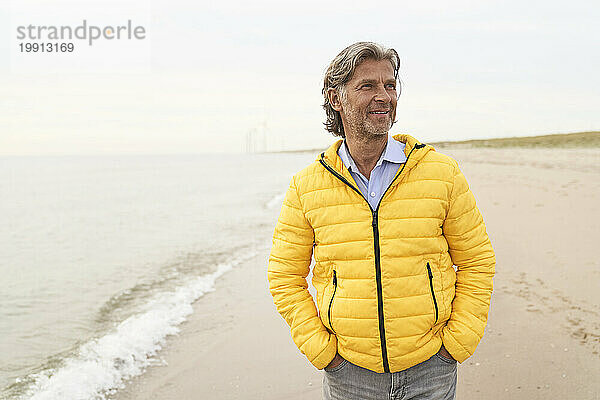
x,y
363,129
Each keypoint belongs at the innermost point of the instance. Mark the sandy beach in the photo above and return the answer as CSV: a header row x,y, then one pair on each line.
x,y
543,336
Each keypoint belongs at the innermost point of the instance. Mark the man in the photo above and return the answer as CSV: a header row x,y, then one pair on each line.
x,y
386,219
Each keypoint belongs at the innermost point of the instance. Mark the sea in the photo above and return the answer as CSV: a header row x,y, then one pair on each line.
x,y
103,257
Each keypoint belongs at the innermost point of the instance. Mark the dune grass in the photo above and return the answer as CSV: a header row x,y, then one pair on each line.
x,y
563,140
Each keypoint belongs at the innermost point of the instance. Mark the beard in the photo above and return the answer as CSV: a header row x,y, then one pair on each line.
x,y
360,124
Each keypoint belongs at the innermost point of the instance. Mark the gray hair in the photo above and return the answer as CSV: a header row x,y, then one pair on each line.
x,y
342,68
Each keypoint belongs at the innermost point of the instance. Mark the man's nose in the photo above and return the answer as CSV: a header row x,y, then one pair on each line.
x,y
382,95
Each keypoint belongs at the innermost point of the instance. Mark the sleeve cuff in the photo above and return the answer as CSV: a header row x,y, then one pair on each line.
x,y
327,355
456,350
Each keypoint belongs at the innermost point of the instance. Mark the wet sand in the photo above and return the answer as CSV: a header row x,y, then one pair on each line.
x,y
543,334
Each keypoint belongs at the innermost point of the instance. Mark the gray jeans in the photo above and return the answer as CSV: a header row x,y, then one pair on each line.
x,y
434,379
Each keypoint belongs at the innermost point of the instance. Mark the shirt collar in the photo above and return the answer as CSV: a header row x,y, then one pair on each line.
x,y
393,152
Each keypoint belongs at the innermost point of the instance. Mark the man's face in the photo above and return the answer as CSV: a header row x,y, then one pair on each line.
x,y
370,104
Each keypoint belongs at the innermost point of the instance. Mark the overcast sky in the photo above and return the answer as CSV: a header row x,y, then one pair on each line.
x,y
208,73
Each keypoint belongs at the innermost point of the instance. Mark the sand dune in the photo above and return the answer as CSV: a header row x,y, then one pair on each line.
x,y
559,140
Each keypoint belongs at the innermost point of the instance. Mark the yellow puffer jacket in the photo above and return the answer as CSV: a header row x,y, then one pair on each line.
x,y
387,293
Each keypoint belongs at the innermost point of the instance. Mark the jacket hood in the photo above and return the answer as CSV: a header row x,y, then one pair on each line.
x,y
414,152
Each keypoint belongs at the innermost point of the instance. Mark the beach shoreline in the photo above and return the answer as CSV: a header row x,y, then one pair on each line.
x,y
541,340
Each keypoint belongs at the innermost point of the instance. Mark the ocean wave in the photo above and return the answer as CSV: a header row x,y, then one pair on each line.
x,y
275,201
105,364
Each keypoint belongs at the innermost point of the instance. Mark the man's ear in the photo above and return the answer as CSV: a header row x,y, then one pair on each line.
x,y
334,99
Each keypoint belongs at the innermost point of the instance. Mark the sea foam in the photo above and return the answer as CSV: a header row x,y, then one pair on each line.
x,y
276,201
103,365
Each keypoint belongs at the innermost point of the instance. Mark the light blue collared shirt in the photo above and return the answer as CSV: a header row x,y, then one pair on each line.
x,y
382,175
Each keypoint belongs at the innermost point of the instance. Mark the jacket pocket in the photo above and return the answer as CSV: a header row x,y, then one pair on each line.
x,y
331,301
435,304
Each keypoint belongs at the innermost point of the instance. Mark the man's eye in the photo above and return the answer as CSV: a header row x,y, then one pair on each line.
x,y
366,86
392,87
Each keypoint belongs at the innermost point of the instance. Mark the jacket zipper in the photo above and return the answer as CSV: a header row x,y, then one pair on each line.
x,y
331,301
375,225
432,292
